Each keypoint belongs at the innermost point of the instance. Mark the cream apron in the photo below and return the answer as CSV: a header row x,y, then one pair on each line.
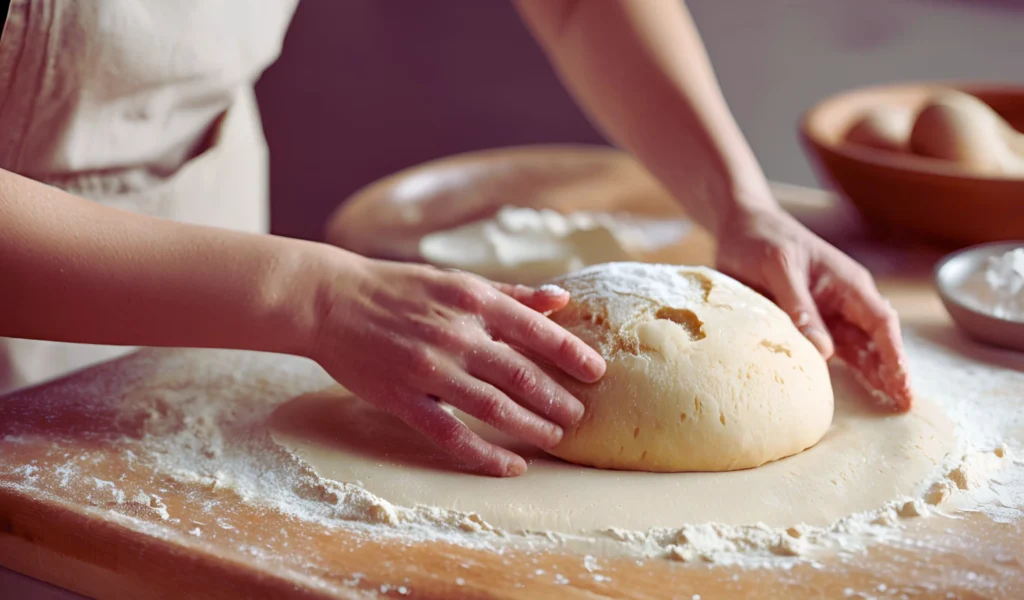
x,y
145,105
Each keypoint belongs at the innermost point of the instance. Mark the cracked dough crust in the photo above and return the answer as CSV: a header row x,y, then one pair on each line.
x,y
704,374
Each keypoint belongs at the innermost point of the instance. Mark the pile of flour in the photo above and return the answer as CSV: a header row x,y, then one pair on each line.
x,y
998,289
529,246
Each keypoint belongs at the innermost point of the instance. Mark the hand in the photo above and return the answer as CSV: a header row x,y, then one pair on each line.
x,y
404,337
832,299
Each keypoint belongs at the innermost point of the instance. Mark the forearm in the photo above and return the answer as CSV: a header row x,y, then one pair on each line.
x,y
640,70
74,270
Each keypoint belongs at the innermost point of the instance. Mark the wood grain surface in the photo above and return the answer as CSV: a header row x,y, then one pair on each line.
x,y
60,533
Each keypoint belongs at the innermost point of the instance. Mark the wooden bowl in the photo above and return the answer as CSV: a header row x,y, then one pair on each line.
x,y
901,194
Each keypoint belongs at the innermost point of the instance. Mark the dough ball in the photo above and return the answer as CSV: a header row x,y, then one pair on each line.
x,y
704,374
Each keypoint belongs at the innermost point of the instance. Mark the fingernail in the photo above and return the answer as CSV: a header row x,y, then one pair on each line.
x,y
515,468
556,436
578,411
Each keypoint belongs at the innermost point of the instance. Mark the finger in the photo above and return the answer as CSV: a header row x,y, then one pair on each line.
x,y
855,348
487,403
526,383
863,307
544,299
426,416
545,338
791,291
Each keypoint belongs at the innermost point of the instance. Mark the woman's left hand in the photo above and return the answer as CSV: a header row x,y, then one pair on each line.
x,y
830,297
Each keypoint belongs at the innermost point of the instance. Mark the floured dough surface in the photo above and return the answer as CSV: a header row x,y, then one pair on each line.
x,y
866,459
704,374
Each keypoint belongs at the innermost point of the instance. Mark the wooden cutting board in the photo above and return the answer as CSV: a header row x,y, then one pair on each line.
x,y
65,533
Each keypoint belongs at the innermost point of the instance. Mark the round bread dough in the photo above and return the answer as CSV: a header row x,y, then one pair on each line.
x,y
704,374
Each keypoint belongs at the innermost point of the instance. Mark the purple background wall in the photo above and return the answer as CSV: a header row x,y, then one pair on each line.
x,y
367,87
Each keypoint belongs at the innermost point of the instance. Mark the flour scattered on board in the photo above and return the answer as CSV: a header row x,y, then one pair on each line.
x,y
187,415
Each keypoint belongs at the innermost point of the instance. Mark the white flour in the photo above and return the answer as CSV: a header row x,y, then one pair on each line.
x,y
203,420
524,245
998,290
617,285
553,289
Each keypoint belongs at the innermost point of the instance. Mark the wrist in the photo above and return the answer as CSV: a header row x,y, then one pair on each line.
x,y
720,191
295,292
742,205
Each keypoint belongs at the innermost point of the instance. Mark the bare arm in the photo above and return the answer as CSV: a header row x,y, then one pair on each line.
x,y
639,68
399,336
74,270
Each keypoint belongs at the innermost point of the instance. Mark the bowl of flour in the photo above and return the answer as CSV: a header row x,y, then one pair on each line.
x,y
982,288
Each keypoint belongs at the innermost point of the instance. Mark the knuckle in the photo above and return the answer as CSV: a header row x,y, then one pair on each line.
x,y
453,437
525,380
779,256
864,278
445,336
490,409
569,350
420,362
887,316
465,294
533,329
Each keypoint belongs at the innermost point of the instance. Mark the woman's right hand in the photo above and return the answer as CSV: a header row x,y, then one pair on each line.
x,y
404,337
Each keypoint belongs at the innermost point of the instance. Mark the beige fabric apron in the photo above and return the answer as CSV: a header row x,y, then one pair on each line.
x,y
145,105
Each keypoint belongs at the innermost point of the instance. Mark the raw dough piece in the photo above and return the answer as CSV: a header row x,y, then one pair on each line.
x,y
704,374
866,459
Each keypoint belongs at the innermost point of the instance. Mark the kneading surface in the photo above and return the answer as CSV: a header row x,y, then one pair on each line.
x,y
704,374
866,459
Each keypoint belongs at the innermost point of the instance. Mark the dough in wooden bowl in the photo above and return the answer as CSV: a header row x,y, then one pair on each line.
x,y
704,374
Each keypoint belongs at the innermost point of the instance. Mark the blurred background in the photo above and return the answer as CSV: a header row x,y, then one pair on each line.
x,y
368,87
